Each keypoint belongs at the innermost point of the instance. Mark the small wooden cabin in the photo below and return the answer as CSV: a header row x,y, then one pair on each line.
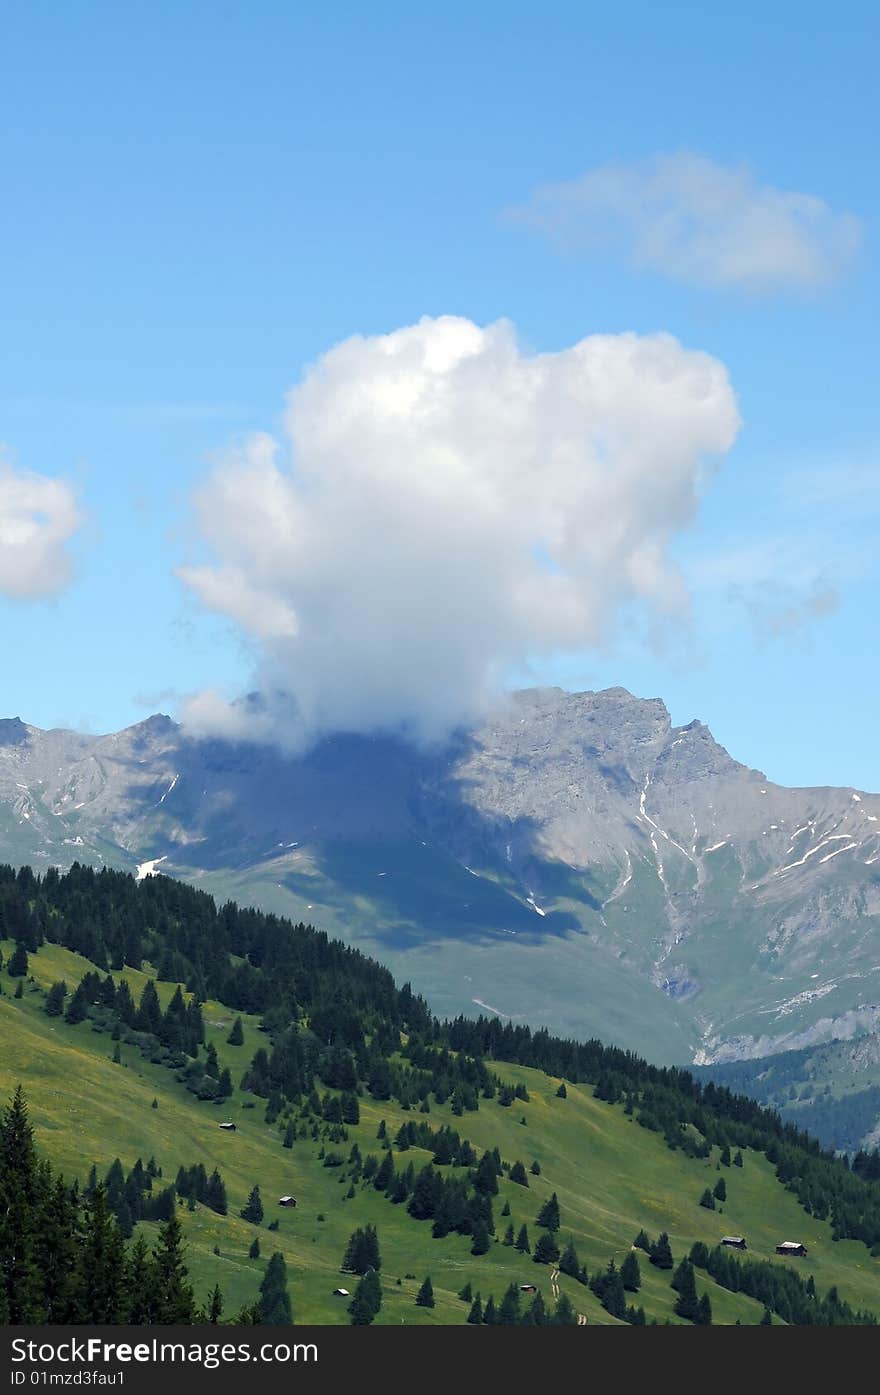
x,y
735,1242
287,1201
528,1288
791,1247
230,1128
341,1293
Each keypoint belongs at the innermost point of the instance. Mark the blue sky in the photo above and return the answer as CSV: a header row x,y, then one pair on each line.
x,y
200,201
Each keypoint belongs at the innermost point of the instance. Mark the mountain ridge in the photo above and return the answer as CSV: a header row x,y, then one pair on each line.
x,y
576,860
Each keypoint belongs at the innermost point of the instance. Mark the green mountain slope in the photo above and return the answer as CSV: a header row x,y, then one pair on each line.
x,y
612,1177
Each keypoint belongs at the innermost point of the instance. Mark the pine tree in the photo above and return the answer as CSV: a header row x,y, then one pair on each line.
x,y
536,1314
485,1179
425,1295
724,1159
174,1297
480,1244
475,1316
522,1240
562,1093
508,1235
737,1159
18,961
684,1281
54,1005
490,1316
518,1174
704,1311
546,1250
367,1300
720,1190
254,1251
384,1173
508,1311
253,1211
236,1036
215,1193
274,1299
707,1200
215,1305
466,1294
564,1314
661,1255
630,1273
100,1263
548,1216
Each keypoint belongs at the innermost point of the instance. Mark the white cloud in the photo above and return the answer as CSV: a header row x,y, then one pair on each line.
x,y
698,221
446,507
38,517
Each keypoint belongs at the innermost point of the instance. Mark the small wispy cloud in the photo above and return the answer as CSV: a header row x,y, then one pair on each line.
x,y
38,517
697,221
780,612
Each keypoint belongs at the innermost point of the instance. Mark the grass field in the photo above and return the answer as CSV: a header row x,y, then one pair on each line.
x,y
612,1177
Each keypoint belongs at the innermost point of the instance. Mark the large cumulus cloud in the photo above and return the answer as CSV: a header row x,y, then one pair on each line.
x,y
445,506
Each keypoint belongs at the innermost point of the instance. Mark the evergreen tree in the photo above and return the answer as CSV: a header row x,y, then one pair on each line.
x,y
569,1262
661,1255
215,1305
475,1316
704,1311
236,1036
18,961
425,1295
384,1173
720,1190
546,1250
707,1200
737,1159
466,1294
564,1314
490,1316
522,1240
630,1273
54,1005
508,1311
480,1245
548,1216
684,1282
518,1174
174,1297
367,1300
562,1093
254,1251
253,1211
274,1302
536,1314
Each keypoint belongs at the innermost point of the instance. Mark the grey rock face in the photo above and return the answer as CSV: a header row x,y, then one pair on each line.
x,y
576,860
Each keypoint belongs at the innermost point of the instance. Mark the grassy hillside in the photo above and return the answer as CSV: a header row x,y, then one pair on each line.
x,y
611,1176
